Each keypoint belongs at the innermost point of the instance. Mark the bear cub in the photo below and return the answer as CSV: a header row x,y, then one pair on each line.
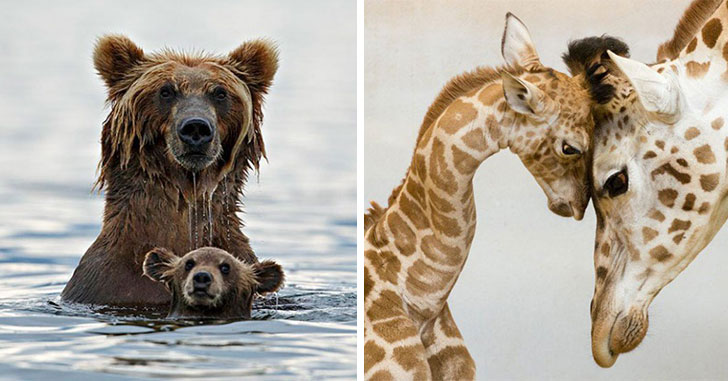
x,y
210,283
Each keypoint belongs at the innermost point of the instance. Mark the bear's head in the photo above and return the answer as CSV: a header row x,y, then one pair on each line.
x,y
174,113
210,282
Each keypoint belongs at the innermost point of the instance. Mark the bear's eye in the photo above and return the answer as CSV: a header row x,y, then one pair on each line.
x,y
189,265
220,94
225,268
166,92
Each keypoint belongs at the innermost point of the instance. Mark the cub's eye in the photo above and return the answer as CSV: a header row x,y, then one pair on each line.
x,y
617,183
225,268
569,150
189,265
220,94
166,92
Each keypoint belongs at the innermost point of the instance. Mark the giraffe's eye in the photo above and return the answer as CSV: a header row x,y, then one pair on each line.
x,y
617,183
569,150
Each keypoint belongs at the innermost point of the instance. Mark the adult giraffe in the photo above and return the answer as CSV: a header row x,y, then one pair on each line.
x,y
659,173
417,246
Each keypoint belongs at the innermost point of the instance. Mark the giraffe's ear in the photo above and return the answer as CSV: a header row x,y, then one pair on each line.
x,y
516,46
524,97
658,93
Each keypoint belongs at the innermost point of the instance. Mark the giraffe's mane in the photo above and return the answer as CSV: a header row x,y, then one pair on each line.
x,y
694,17
462,84
453,89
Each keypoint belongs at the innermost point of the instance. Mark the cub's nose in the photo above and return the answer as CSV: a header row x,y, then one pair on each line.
x,y
202,280
196,131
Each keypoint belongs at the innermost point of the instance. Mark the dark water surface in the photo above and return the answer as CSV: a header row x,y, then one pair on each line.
x,y
301,210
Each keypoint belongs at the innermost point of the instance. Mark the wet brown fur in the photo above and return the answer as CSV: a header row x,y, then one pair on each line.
x,y
690,23
236,289
149,197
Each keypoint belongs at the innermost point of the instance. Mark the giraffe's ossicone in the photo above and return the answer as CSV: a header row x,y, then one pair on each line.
x,y
416,247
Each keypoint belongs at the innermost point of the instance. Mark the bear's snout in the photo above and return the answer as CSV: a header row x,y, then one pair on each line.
x,y
196,133
201,281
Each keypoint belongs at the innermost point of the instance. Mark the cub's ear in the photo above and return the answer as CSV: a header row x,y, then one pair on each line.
x,y
157,264
115,56
255,63
269,276
524,97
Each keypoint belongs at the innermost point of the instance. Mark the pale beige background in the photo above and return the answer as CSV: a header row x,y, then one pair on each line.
x,y
522,301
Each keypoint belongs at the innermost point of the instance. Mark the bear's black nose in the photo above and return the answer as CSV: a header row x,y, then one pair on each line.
x,y
196,132
202,280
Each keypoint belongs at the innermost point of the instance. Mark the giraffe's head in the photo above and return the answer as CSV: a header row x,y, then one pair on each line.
x,y
657,177
552,129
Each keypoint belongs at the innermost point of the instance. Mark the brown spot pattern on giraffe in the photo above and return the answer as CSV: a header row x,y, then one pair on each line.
x,y
385,263
657,215
704,208
667,168
420,276
456,116
678,224
660,253
692,45
691,133
381,375
437,251
381,310
704,154
490,94
440,174
709,182
413,212
464,163
711,31
667,197
689,202
395,329
449,359
648,234
404,237
605,250
648,155
373,354
696,69
717,123
407,358
475,140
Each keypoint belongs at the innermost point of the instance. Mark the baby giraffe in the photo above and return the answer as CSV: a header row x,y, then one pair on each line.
x,y
416,248
210,283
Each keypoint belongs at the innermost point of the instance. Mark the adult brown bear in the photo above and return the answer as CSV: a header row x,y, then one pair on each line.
x,y
182,134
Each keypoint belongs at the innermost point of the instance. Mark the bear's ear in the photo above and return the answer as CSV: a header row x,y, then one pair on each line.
x,y
115,56
255,63
157,264
269,276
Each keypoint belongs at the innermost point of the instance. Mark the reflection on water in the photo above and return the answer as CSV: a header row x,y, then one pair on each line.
x,y
300,211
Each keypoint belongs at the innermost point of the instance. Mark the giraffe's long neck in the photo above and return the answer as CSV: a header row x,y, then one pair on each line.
x,y
432,220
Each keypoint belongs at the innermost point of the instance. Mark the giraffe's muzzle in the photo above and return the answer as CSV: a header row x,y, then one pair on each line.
x,y
615,334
